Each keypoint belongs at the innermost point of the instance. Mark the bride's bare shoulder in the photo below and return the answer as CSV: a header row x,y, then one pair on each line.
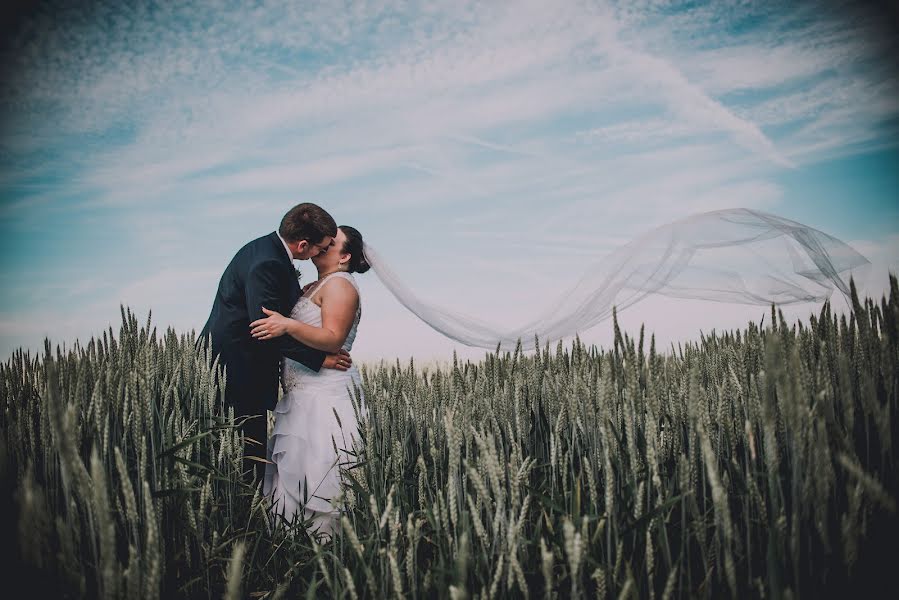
x,y
338,289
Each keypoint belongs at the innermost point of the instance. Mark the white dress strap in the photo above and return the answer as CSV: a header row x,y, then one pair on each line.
x,y
349,277
321,284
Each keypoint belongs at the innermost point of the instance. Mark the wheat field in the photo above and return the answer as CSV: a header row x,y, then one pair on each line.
x,y
754,463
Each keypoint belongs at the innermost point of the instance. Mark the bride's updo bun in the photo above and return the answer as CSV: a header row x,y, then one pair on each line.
x,y
353,246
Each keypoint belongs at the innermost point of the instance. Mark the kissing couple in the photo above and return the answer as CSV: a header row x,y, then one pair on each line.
x,y
264,327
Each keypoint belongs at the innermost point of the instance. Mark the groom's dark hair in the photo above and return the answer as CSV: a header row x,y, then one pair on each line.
x,y
307,221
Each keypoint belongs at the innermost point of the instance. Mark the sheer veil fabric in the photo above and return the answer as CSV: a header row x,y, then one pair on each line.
x,y
735,255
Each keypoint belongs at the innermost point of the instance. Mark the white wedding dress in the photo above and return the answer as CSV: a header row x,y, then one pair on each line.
x,y
304,473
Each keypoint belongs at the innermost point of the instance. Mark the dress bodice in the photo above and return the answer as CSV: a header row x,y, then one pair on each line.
x,y
307,311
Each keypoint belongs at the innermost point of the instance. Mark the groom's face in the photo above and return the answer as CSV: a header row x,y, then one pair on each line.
x,y
306,249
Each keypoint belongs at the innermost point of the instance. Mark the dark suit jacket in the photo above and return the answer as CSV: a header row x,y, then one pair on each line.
x,y
260,274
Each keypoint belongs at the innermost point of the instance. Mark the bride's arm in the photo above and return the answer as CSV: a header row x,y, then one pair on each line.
x,y
339,303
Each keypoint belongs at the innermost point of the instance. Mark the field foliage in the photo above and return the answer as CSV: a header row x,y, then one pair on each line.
x,y
753,463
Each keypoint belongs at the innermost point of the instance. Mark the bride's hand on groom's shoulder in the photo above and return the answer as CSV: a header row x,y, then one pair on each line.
x,y
340,361
272,326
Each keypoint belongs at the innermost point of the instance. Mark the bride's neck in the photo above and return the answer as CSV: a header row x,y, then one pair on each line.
x,y
323,274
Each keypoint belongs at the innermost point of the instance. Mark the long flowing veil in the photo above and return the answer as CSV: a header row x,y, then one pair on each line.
x,y
734,255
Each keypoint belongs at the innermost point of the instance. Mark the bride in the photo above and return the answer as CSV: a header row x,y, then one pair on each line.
x,y
732,255
303,474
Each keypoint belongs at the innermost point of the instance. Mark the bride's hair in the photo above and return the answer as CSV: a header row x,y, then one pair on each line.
x,y
353,246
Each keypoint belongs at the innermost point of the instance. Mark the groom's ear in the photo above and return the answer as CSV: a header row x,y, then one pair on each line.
x,y
302,246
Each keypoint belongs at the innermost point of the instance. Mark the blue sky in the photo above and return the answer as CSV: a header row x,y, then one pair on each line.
x,y
490,150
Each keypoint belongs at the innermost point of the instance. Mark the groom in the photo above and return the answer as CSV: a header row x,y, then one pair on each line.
x,y
262,274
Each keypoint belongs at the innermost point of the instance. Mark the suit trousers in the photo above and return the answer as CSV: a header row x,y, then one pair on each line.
x,y
255,439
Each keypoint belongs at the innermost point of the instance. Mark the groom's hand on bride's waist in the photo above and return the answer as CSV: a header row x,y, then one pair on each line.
x,y
340,361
